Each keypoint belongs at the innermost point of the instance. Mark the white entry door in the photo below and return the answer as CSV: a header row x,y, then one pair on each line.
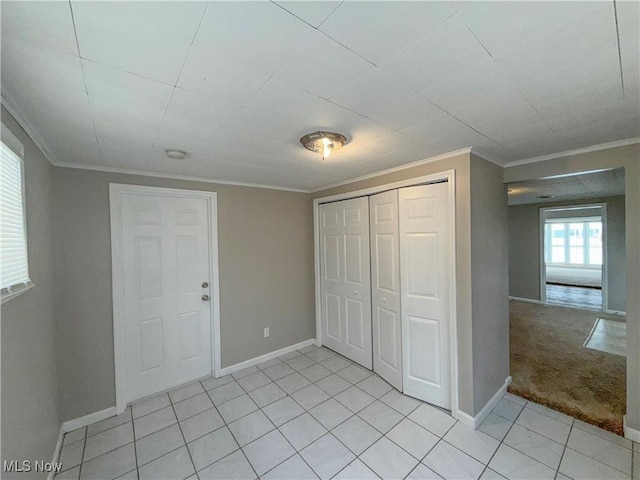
x,y
424,253
167,314
345,279
385,287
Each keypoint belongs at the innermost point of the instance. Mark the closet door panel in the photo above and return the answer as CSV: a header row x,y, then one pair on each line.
x,y
385,287
345,277
424,253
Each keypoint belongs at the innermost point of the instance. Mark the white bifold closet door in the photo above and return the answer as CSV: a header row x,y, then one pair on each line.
x,y
424,276
385,287
345,279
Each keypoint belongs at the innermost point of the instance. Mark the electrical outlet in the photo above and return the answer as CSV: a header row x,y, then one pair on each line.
x,y
266,332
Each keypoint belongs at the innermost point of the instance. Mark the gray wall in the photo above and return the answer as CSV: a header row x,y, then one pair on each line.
x,y
30,420
480,373
266,277
490,282
524,249
629,158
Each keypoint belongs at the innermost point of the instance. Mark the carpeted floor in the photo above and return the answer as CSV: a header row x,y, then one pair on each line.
x,y
550,365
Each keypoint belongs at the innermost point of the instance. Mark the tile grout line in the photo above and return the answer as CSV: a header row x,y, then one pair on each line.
x,y
135,445
227,425
311,415
274,426
275,429
84,447
440,439
376,398
182,433
356,414
566,445
382,435
505,436
172,404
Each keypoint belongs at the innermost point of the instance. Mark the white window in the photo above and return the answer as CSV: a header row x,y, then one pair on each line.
x,y
574,242
14,262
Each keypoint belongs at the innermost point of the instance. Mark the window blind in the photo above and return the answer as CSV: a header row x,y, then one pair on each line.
x,y
14,265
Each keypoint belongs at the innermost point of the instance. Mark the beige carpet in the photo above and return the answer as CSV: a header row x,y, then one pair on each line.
x,y
550,365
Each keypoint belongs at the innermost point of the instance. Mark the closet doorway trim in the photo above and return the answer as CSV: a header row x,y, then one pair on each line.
x,y
449,177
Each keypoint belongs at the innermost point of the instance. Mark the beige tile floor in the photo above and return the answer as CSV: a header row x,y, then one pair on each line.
x,y
608,336
314,414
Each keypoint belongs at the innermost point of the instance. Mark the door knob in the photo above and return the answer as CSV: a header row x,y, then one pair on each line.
x,y
355,292
205,284
384,300
205,298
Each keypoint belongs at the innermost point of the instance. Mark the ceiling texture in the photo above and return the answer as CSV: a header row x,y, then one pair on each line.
x,y
604,183
112,85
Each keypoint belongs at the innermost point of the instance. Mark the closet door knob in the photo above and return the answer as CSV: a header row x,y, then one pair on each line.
x,y
205,298
355,292
205,284
384,300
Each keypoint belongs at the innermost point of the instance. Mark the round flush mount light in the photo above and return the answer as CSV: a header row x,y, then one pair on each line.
x,y
176,154
545,197
323,142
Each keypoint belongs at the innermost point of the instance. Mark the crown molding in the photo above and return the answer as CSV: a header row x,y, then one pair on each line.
x,y
489,158
125,171
9,102
578,151
394,169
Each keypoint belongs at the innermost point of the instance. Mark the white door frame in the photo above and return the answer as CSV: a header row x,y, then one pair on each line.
x,y
449,176
116,190
605,259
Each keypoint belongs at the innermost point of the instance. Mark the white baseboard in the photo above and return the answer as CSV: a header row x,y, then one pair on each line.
x,y
263,358
56,453
527,300
474,422
615,312
630,433
94,417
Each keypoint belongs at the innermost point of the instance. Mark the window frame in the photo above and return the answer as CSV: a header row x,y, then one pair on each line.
x,y
13,144
566,222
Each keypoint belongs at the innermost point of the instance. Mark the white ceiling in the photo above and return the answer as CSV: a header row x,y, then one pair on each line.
x,y
236,84
573,187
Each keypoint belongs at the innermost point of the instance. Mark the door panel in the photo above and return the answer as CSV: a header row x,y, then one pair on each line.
x,y
151,346
333,316
165,244
424,335
388,353
332,258
385,292
424,253
355,323
422,249
345,274
353,258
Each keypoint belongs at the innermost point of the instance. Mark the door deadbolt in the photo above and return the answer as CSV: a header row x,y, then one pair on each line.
x,y
205,298
205,284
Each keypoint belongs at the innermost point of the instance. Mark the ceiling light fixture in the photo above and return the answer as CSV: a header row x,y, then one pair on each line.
x,y
176,154
323,142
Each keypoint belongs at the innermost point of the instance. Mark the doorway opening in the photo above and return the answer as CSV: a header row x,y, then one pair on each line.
x,y
573,256
567,286
166,297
